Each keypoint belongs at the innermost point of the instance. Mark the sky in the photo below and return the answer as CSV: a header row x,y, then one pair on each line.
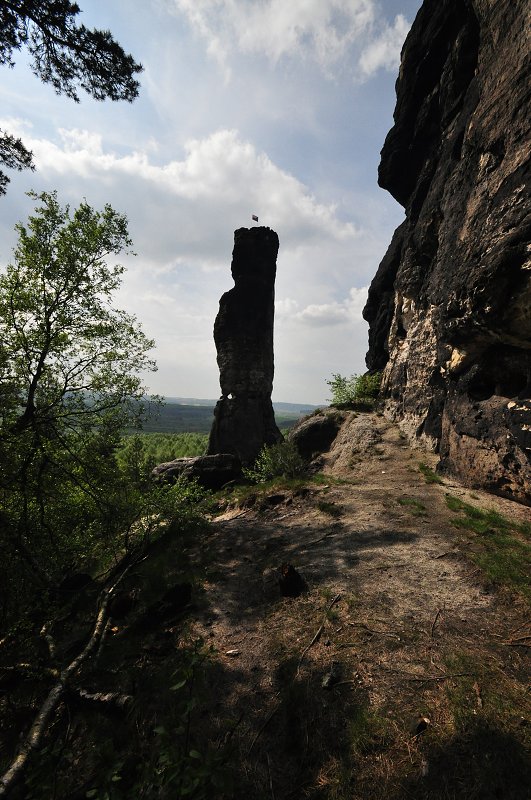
x,y
266,107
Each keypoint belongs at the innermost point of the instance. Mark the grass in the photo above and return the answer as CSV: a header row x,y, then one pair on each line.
x,y
499,546
430,476
417,508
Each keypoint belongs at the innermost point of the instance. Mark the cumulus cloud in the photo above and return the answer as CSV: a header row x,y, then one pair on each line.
x,y
219,171
347,311
384,51
328,32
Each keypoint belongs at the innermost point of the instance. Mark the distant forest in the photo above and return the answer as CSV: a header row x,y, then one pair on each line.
x,y
174,417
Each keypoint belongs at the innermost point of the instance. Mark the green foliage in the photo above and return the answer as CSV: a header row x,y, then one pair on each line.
x,y
64,54
138,454
278,460
177,763
69,383
500,546
358,391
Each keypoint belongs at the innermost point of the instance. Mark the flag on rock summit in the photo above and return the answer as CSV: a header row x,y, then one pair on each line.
x,y
255,218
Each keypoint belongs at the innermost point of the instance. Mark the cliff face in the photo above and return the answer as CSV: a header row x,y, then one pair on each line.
x,y
244,419
450,306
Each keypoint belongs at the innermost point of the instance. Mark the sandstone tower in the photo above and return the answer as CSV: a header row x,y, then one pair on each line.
x,y
243,332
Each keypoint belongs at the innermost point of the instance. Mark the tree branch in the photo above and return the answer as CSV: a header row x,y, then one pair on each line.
x,y
38,728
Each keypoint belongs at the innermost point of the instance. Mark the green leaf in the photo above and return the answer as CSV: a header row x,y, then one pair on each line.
x,y
195,754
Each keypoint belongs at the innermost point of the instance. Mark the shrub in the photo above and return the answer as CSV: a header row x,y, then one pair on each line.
x,y
358,391
278,460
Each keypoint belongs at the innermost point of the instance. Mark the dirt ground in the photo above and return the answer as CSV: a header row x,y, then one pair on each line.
x,y
394,675
400,672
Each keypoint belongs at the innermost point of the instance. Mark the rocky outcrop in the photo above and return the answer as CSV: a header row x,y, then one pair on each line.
x,y
450,306
244,419
211,472
314,434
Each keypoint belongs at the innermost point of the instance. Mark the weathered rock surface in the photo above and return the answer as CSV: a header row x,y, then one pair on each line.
x,y
212,472
244,419
450,306
316,433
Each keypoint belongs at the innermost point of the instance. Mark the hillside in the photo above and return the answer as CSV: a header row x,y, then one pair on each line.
x,y
399,673
190,415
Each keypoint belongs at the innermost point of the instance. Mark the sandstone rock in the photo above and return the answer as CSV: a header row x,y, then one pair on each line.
x,y
450,306
315,434
243,332
212,472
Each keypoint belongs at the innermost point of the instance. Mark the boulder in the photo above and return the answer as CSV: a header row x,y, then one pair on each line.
x,y
212,472
315,434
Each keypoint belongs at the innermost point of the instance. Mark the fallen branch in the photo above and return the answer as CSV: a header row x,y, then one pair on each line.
x,y
45,633
55,694
336,599
115,699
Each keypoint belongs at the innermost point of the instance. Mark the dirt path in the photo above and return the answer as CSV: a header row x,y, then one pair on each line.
x,y
406,624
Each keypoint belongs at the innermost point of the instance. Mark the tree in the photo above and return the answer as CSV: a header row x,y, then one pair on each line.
x,y
66,55
359,391
70,381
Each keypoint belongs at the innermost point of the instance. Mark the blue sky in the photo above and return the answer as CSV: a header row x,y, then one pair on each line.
x,y
263,107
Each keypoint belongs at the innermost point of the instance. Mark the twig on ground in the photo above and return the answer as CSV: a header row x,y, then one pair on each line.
x,y
421,678
270,777
264,726
373,631
519,628
336,599
434,623
326,536
516,644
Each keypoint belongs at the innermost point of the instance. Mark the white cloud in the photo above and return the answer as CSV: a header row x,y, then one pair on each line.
x,y
218,171
384,51
328,32
348,311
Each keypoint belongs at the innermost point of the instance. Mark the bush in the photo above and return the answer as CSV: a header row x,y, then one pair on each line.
x,y
358,391
278,460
